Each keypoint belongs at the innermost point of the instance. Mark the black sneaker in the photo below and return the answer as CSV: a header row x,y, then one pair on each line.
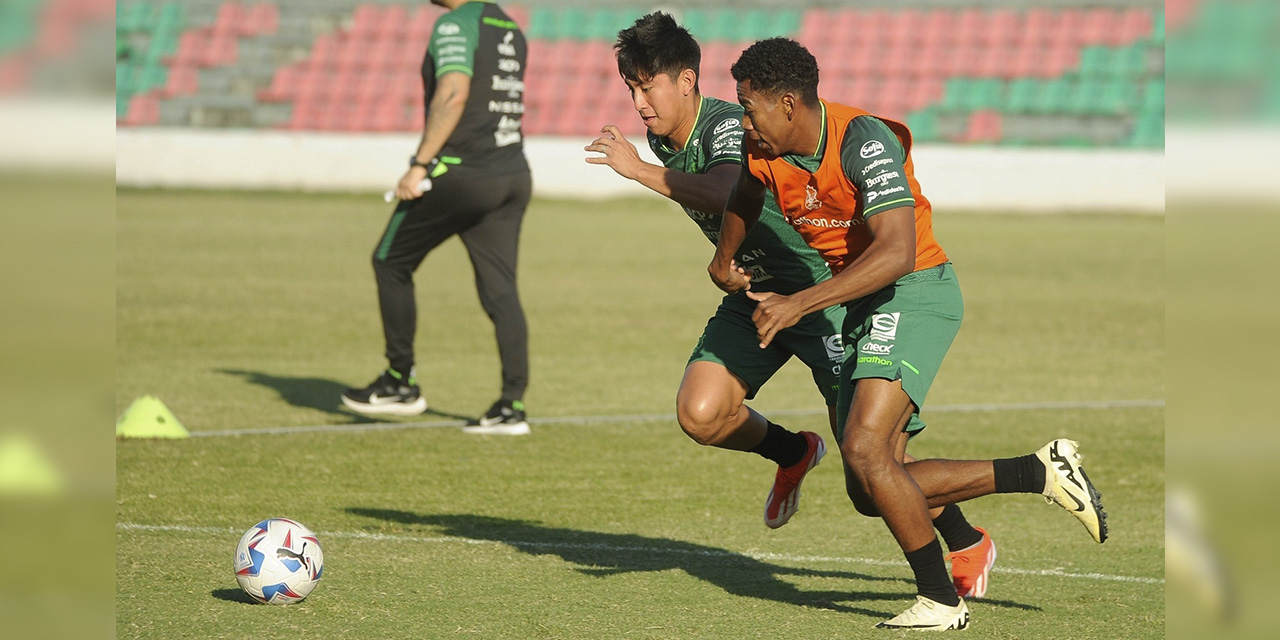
x,y
389,395
505,417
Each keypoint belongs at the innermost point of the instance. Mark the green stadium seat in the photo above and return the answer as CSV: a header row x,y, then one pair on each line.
x,y
698,22
170,19
1157,29
542,24
1148,132
1054,96
572,23
151,76
133,17
126,80
721,24
603,24
923,125
1153,96
1021,95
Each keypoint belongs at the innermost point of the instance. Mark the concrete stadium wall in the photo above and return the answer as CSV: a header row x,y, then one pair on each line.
x,y
969,178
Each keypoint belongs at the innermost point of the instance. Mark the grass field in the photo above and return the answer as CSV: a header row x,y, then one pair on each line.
x,y
252,312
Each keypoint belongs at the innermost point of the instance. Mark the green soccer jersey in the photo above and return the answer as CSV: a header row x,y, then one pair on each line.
x,y
778,258
480,40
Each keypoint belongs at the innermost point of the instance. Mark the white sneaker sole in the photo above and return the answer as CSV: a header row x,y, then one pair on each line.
x,y
393,409
950,621
502,429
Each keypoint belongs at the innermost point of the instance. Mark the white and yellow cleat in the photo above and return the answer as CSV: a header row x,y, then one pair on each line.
x,y
1067,486
930,615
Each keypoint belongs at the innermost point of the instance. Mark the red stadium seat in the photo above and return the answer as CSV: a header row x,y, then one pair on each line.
x,y
1003,27
190,51
221,50
1068,29
144,109
365,20
984,127
970,28
1098,25
264,19
230,20
1135,24
816,28
904,28
938,27
183,81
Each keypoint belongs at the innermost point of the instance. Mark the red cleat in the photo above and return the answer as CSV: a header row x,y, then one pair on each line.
x,y
971,568
784,497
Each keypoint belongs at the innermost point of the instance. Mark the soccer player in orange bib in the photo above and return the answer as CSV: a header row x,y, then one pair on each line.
x,y
844,179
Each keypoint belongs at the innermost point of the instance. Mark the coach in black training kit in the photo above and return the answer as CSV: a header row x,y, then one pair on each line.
x,y
472,153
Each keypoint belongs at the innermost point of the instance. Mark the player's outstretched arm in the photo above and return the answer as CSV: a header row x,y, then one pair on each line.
x,y
698,191
740,215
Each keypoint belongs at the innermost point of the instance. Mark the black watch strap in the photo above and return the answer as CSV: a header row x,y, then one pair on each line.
x,y
414,162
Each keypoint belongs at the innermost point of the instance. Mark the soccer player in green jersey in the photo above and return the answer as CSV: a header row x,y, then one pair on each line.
x,y
698,139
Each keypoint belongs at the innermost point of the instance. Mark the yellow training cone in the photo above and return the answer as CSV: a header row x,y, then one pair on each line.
x,y
24,469
147,417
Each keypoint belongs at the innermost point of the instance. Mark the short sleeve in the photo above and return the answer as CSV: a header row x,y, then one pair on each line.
x,y
453,44
874,161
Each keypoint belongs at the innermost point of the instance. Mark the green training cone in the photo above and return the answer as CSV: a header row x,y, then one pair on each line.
x,y
147,417
24,469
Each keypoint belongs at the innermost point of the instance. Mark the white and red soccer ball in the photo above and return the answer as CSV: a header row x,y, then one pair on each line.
x,y
278,561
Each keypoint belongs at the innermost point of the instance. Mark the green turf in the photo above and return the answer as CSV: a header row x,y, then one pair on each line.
x,y
254,310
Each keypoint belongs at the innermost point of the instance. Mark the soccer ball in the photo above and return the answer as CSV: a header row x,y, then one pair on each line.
x,y
278,561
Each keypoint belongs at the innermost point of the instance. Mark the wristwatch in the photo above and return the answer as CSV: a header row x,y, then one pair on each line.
x,y
414,162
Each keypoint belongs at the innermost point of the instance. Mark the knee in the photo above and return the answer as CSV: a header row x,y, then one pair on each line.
x,y
865,458
858,496
703,420
384,271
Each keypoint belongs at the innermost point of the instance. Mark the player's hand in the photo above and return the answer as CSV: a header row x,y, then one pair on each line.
x,y
618,152
408,187
774,312
732,278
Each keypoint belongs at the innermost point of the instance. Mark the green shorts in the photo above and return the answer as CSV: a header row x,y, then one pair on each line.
x,y
902,332
730,339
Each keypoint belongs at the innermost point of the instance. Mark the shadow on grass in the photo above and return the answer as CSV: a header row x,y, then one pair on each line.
x,y
606,554
322,395
233,595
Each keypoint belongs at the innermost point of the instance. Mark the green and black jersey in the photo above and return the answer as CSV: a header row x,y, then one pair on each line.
x,y
779,259
480,40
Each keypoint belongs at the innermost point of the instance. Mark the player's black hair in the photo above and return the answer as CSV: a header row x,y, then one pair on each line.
x,y
656,44
778,65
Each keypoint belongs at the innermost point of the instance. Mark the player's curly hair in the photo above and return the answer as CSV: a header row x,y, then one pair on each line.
x,y
778,65
656,44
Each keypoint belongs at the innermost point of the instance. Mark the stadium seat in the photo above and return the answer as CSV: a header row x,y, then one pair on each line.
x,y
1003,27
144,109
938,27
182,81
230,21
1098,26
984,127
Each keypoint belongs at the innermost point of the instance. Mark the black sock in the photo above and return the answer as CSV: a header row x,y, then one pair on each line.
x,y
782,446
955,530
1023,474
932,580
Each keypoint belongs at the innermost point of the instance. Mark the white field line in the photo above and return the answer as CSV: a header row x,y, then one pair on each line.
x,y
781,557
670,417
